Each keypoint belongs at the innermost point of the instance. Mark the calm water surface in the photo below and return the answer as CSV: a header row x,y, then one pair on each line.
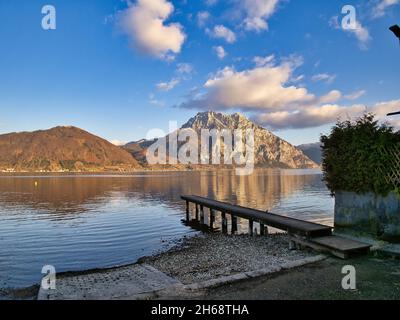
x,y
84,222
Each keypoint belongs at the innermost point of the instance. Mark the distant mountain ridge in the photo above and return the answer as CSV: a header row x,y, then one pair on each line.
x,y
61,149
70,149
270,150
313,151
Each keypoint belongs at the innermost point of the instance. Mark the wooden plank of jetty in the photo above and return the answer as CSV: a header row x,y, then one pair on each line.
x,y
342,247
290,225
338,246
301,233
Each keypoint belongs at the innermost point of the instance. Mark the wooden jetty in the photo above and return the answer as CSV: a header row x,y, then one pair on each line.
x,y
302,233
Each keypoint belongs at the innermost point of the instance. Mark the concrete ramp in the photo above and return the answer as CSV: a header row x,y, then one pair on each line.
x,y
340,247
126,282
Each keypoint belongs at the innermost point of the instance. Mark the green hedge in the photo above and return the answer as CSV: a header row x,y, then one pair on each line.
x,y
355,156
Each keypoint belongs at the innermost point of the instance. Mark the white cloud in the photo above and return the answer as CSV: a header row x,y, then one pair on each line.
x,y
202,18
316,116
308,117
261,88
263,61
184,68
144,23
381,7
118,143
267,93
325,77
154,101
168,86
183,72
298,78
355,95
331,97
334,22
257,13
381,109
360,32
222,32
220,52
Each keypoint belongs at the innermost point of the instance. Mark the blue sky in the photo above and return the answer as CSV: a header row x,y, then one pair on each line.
x,y
119,69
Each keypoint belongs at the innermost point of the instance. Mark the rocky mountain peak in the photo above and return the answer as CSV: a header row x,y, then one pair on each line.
x,y
270,150
214,120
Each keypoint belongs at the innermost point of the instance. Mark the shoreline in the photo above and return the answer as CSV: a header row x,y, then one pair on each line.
x,y
203,249
195,263
31,292
210,256
206,267
133,173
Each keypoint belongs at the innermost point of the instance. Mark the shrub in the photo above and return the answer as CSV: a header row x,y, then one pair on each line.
x,y
355,157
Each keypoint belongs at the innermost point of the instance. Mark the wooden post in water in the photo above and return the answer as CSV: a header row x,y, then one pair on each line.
x,y
197,212
187,211
251,228
224,223
234,224
201,214
212,218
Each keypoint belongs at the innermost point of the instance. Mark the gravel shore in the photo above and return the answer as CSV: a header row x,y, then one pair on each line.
x,y
212,256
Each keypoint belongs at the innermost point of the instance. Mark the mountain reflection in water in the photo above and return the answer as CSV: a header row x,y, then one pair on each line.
x,y
83,222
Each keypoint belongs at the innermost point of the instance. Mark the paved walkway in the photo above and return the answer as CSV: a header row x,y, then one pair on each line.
x,y
128,282
141,281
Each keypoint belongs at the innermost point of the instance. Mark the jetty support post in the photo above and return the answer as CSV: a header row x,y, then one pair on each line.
x,y
234,224
187,211
251,228
224,223
201,214
212,218
262,229
197,212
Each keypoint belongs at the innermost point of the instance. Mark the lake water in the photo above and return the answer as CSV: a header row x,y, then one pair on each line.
x,y
84,222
